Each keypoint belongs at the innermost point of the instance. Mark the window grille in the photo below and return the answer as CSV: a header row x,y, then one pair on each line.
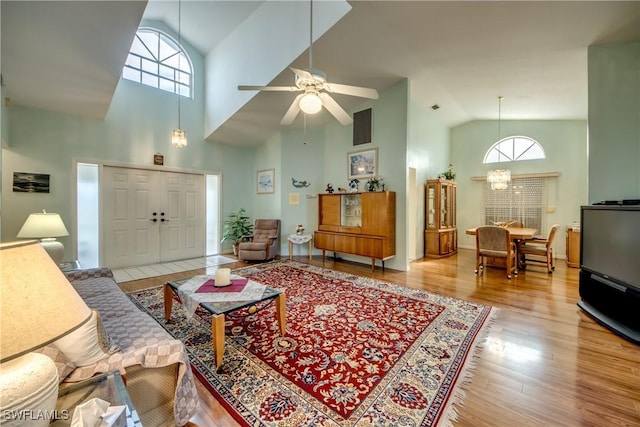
x,y
158,61
514,148
521,202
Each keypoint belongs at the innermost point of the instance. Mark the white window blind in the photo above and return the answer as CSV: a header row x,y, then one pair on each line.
x,y
522,202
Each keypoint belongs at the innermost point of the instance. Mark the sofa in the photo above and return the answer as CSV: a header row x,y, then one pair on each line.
x,y
155,365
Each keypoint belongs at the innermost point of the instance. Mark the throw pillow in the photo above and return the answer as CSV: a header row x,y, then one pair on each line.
x,y
88,344
62,362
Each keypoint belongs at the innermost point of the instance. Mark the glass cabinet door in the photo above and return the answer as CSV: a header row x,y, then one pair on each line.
x,y
431,206
444,206
351,210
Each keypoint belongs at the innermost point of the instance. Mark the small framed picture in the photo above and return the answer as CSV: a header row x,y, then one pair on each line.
x,y
24,182
362,164
158,159
266,181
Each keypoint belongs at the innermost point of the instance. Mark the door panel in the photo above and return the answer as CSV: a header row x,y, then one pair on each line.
x,y
130,235
182,199
134,198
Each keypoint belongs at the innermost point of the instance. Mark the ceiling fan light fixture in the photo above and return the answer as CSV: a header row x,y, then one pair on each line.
x,y
310,103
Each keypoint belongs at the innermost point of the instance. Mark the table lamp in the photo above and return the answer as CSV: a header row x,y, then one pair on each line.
x,y
45,226
38,305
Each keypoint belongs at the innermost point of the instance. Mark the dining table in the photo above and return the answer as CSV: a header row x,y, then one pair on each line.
x,y
517,234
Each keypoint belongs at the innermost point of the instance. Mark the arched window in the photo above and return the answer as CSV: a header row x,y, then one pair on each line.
x,y
157,60
513,149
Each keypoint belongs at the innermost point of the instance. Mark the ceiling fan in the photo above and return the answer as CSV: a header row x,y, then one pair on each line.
x,y
315,89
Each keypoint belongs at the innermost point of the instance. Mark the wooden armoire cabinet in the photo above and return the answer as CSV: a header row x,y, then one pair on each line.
x,y
361,224
441,234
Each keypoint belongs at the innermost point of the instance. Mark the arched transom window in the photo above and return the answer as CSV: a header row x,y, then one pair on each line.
x,y
157,60
513,149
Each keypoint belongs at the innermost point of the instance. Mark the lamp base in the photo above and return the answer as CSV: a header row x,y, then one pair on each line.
x,y
29,388
54,248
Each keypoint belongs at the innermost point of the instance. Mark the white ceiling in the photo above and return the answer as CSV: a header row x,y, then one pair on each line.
x,y
459,55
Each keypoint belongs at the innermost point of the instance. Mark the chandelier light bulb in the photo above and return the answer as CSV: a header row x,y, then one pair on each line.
x,y
311,103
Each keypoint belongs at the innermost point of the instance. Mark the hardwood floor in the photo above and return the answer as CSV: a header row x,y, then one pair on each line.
x,y
545,362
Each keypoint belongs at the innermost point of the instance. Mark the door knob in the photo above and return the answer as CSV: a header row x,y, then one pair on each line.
x,y
153,219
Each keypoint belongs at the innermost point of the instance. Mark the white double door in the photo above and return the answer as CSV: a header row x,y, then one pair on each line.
x,y
151,216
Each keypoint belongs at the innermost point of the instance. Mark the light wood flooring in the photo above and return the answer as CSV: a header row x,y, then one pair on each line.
x,y
545,362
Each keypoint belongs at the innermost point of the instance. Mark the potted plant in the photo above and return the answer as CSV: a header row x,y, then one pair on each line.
x,y
237,227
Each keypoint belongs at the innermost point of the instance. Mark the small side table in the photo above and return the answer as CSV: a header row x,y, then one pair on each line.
x,y
108,387
300,239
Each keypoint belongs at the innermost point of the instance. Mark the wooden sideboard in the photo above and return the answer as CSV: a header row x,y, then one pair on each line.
x,y
361,224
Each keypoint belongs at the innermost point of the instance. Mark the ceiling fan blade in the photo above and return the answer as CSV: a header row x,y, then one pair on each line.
x,y
303,74
362,92
292,112
336,110
271,88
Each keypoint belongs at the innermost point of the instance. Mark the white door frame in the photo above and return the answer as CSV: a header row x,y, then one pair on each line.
x,y
102,163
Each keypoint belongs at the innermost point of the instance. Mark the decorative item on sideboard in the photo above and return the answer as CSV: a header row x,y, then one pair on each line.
x,y
449,173
354,184
375,183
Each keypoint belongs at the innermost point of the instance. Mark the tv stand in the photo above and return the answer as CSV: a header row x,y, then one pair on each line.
x,y
611,304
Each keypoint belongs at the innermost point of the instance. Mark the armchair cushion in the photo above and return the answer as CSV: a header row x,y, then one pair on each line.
x,y
263,244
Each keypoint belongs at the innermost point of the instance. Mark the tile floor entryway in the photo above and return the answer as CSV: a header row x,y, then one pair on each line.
x,y
142,272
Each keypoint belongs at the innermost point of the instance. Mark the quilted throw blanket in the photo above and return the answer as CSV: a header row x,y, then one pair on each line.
x,y
141,340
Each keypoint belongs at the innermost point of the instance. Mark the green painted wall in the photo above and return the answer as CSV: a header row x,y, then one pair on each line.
x,y
565,145
137,126
614,122
428,151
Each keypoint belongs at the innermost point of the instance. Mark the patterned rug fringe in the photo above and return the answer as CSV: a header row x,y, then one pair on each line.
x,y
459,394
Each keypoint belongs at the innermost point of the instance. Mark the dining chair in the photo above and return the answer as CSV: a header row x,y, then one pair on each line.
x,y
538,250
495,242
515,224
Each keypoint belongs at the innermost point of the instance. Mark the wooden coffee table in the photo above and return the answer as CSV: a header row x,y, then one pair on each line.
x,y
231,309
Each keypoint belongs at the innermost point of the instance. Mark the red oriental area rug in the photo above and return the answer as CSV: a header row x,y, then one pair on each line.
x,y
358,351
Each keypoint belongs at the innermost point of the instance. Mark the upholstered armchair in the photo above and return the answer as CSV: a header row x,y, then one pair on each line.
x,y
538,250
263,244
495,242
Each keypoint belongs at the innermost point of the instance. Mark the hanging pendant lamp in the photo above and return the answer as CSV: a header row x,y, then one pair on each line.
x,y
179,136
499,178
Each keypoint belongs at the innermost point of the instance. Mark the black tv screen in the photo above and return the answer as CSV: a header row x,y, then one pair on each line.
x,y
610,243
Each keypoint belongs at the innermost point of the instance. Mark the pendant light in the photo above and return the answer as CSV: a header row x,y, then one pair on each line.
x,y
499,178
179,136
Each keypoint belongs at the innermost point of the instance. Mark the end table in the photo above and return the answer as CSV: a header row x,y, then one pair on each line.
x,y
108,386
299,239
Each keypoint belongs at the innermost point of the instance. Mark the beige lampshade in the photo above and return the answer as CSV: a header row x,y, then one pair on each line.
x,y
38,305
39,225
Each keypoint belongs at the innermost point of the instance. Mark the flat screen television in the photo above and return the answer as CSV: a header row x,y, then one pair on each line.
x,y
610,243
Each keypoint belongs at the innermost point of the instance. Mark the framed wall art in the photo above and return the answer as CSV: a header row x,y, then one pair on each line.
x,y
24,182
362,164
266,181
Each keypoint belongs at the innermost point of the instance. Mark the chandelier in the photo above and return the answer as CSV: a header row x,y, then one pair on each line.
x,y
499,178
179,136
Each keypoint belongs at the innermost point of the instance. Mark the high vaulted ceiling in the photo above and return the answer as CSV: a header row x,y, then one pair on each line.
x,y
67,56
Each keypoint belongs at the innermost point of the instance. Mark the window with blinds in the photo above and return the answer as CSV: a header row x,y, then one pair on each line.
x,y
521,203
